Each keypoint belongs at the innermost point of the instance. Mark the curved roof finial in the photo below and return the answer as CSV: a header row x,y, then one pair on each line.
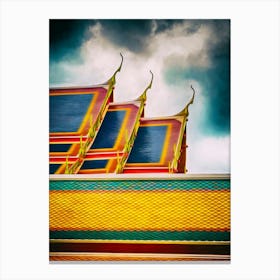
x,y
143,96
185,111
112,80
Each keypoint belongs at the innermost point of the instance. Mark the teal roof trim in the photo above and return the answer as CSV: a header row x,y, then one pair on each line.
x,y
142,235
114,185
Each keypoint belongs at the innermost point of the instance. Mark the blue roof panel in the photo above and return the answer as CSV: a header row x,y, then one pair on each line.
x,y
68,111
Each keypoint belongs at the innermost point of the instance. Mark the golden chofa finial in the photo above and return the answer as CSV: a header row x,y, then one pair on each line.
x,y
112,80
185,111
143,96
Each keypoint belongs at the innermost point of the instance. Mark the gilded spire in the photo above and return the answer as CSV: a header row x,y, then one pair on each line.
x,y
112,80
185,111
143,96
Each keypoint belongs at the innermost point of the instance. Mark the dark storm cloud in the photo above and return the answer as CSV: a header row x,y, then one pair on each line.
x,y
165,24
131,34
66,36
218,78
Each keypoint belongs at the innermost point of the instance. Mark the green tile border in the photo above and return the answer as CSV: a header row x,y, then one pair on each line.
x,y
143,235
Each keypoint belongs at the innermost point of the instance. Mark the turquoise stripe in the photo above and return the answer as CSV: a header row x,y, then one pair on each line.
x,y
66,185
143,235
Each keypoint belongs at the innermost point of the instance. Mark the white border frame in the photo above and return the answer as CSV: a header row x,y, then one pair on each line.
x,y
254,133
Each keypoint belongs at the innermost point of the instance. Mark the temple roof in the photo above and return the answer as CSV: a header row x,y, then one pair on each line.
x,y
90,133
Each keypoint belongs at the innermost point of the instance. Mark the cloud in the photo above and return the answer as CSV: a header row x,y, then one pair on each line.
x,y
213,75
209,155
66,36
130,34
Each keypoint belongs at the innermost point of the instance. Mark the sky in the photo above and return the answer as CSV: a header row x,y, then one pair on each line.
x,y
180,53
